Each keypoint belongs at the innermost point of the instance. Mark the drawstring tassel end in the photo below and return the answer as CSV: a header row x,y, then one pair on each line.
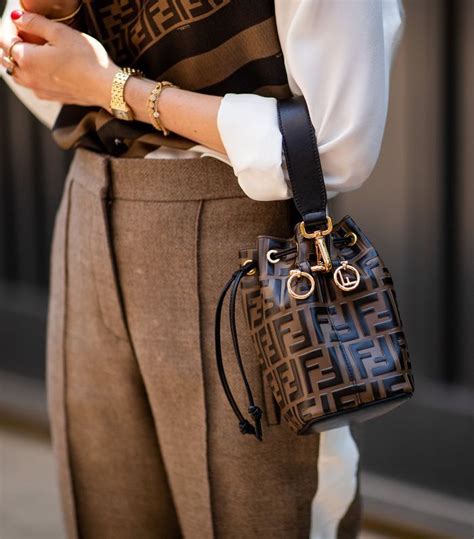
x,y
256,414
246,428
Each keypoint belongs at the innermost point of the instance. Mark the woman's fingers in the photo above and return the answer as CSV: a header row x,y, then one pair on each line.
x,y
7,34
6,63
13,43
6,54
23,55
49,96
7,47
37,25
70,64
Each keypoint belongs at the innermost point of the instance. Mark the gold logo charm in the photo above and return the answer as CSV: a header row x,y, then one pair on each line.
x,y
346,277
298,274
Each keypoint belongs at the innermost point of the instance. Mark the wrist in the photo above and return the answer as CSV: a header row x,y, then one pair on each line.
x,y
51,10
135,93
166,103
102,86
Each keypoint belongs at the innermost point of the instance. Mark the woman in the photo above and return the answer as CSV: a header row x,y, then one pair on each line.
x,y
144,440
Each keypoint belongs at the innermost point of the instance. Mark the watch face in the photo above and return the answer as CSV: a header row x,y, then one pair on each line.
x,y
122,114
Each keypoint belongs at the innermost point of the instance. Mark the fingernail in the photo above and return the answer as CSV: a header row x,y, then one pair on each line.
x,y
16,14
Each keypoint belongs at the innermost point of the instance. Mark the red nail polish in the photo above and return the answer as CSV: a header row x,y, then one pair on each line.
x,y
16,14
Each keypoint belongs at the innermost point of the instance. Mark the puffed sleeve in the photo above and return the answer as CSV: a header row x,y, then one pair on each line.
x,y
338,54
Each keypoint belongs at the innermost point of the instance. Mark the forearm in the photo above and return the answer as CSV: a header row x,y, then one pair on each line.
x,y
189,114
76,69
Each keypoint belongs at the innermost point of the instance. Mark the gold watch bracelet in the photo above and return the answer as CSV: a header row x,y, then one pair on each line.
x,y
118,106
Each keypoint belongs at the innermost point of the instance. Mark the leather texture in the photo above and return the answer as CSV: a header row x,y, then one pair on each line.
x,y
335,352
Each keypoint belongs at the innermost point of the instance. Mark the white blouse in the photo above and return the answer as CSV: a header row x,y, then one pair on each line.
x,y
338,54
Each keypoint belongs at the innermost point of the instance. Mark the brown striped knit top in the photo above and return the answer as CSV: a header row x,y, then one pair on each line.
x,y
209,46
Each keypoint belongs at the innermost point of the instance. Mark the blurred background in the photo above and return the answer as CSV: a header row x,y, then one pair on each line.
x,y
417,208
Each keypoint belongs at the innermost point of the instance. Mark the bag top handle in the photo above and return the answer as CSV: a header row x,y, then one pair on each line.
x,y
303,162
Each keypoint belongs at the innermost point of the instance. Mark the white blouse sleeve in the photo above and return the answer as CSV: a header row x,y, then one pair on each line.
x,y
338,54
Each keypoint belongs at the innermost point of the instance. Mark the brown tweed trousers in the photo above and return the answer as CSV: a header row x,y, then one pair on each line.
x,y
146,444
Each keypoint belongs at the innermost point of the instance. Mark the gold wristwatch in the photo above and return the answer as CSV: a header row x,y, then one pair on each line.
x,y
118,105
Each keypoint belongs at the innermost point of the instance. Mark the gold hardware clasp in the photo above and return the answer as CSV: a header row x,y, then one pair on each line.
x,y
316,233
298,274
322,254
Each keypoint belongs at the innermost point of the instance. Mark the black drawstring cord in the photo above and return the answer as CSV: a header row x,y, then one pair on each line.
x,y
285,252
253,410
244,425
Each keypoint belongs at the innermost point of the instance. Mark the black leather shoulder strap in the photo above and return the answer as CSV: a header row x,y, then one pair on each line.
x,y
303,162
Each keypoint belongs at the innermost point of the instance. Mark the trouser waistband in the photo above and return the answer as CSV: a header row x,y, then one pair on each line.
x,y
197,178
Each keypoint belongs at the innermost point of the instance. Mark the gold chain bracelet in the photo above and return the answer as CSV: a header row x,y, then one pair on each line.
x,y
60,19
153,105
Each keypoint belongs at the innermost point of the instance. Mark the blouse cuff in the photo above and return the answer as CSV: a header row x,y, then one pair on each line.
x,y
248,127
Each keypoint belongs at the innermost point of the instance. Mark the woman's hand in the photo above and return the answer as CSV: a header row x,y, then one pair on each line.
x,y
74,68
52,10
10,33
71,67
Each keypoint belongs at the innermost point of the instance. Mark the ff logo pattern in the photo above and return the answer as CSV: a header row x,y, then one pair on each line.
x,y
129,28
335,350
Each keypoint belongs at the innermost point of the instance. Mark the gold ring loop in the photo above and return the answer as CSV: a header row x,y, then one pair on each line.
x,y
10,48
269,256
297,274
11,66
353,237
252,271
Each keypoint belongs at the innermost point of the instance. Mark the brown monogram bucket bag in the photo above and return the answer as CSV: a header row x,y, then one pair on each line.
x,y
320,306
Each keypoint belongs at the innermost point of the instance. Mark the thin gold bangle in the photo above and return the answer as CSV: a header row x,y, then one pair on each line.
x,y
61,19
153,105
